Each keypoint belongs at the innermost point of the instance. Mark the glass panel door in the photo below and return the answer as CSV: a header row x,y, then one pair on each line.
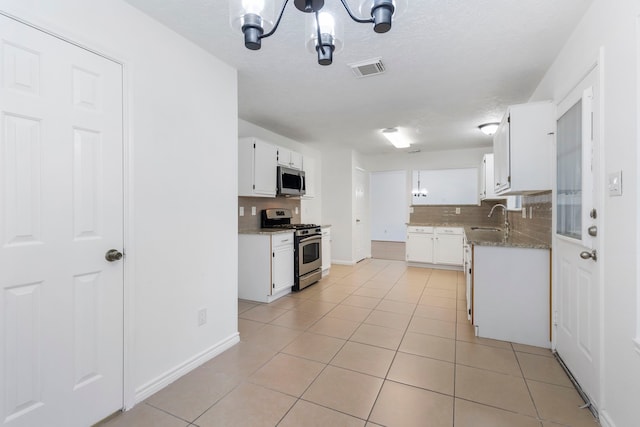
x,y
569,173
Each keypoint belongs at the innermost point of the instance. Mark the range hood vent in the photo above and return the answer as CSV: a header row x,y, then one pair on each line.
x,y
370,67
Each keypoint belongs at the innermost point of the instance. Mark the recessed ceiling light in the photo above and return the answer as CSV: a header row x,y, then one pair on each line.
x,y
489,128
396,137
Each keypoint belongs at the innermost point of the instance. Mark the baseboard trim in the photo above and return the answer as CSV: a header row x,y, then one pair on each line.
x,y
435,266
184,368
605,420
342,262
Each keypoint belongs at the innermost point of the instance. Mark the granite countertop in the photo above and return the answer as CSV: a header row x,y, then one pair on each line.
x,y
436,224
265,231
498,238
491,238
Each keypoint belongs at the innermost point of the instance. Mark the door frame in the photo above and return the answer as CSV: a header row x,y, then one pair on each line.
x,y
598,200
32,20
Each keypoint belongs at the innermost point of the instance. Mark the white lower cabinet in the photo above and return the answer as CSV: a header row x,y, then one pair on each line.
x,y
511,294
326,250
448,247
441,246
419,244
265,266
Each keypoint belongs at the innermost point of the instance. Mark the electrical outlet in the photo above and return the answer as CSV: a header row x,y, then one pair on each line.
x,y
297,211
410,209
241,210
253,210
202,316
457,211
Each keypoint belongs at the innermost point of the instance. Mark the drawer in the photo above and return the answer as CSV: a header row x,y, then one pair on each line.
x,y
282,239
450,230
414,229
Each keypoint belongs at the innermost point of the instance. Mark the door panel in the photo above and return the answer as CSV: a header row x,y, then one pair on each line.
x,y
61,198
577,280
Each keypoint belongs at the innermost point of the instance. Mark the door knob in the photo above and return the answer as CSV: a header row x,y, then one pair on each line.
x,y
593,231
113,255
586,255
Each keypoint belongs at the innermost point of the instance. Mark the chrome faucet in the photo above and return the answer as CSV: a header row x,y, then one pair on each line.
x,y
506,217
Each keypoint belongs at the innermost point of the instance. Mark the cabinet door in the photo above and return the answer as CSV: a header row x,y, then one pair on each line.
x,y
448,249
296,161
420,247
282,267
501,147
488,177
264,168
284,157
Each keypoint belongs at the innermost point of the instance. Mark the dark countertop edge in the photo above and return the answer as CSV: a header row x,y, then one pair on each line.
x,y
515,240
435,224
264,231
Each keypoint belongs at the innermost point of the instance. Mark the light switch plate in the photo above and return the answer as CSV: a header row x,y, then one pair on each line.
x,y
524,213
457,211
411,209
297,211
615,183
241,210
253,210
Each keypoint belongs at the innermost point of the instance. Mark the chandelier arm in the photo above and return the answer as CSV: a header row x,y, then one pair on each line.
x,y
319,35
361,21
275,27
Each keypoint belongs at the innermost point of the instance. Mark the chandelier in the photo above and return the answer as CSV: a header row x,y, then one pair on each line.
x,y
256,20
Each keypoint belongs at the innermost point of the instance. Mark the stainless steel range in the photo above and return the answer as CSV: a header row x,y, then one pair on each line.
x,y
307,248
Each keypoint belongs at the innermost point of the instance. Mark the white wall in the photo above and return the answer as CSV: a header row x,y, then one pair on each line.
x,y
181,118
311,209
337,200
389,206
428,160
612,25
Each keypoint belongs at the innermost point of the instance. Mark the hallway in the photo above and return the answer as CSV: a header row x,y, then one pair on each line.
x,y
376,344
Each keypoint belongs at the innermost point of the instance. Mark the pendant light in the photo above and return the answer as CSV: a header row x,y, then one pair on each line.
x,y
257,20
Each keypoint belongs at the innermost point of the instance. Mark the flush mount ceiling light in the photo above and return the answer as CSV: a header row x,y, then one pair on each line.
x,y
396,138
489,128
255,18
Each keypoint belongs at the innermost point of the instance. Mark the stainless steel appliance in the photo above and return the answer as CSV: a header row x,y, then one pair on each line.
x,y
307,249
291,182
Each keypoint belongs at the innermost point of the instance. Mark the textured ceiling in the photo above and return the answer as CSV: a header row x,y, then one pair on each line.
x,y
451,65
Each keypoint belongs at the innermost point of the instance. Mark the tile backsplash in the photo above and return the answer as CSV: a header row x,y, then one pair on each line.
x,y
537,224
249,221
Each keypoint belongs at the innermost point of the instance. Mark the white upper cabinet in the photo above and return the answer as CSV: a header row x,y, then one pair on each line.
x,y
487,186
290,159
523,149
257,163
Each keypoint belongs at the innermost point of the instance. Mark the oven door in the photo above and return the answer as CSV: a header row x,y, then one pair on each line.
x,y
309,254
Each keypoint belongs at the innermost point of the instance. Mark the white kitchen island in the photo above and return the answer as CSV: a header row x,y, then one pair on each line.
x,y
510,290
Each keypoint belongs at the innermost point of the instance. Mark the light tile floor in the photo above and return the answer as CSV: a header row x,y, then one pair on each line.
x,y
376,344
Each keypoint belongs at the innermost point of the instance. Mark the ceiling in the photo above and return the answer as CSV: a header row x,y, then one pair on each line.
x,y
450,66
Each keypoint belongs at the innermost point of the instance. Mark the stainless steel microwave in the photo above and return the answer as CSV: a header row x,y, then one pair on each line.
x,y
291,182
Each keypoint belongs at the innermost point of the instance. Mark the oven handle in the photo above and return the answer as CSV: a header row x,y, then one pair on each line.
x,y
314,237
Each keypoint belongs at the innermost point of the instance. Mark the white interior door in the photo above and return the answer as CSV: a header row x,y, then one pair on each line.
x,y
61,209
361,237
576,243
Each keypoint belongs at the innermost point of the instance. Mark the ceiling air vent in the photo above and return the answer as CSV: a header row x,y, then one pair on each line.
x,y
370,67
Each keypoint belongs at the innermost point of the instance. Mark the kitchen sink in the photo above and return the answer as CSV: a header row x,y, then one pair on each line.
x,y
486,229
